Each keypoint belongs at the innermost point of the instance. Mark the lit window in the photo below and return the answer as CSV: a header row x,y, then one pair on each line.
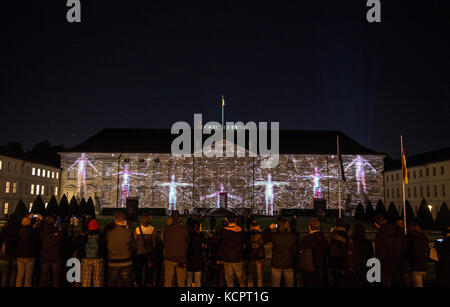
x,y
53,174
15,187
1,164
57,175
39,172
43,173
56,191
32,189
37,189
33,171
5,211
42,189
8,184
31,206
46,204
48,174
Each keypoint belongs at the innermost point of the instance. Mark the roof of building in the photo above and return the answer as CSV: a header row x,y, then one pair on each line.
x,y
160,140
438,155
29,159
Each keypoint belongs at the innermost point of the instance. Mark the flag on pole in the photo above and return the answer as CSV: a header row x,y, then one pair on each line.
x,y
405,171
223,101
340,161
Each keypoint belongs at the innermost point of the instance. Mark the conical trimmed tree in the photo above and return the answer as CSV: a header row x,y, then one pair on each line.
x,y
409,213
52,207
38,206
63,208
359,213
20,210
73,207
370,212
424,217
380,209
90,210
443,217
82,207
392,214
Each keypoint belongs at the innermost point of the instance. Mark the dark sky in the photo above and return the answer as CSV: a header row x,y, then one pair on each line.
x,y
314,65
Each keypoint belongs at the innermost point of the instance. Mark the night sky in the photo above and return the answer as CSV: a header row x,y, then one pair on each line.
x,y
312,65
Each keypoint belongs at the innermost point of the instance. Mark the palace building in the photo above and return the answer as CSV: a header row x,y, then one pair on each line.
x,y
116,164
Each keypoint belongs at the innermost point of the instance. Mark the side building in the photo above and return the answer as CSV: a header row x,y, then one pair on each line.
x,y
24,180
429,179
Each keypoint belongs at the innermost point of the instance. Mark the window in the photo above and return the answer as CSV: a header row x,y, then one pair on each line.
x,y
8,184
397,177
421,191
434,171
31,206
398,193
409,175
1,164
53,174
414,174
42,189
420,173
48,174
43,173
443,190
409,192
392,177
387,191
428,191
427,171
442,168
32,189
387,178
57,175
415,192
5,210
56,191
15,187
33,171
435,191
39,172
37,189
393,193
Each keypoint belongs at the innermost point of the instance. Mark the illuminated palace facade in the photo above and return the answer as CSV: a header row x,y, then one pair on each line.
x,y
116,164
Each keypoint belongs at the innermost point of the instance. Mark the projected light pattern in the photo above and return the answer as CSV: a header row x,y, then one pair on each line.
x,y
173,191
163,181
221,193
82,163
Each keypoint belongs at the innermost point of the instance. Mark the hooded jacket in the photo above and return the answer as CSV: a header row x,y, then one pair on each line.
x,y
284,248
231,243
176,243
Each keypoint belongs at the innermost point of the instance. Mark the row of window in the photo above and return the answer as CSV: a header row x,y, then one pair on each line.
x,y
6,207
37,172
39,190
427,173
396,192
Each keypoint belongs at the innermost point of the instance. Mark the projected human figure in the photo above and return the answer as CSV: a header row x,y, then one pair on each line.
x,y
126,182
317,189
219,194
269,184
82,163
360,163
173,191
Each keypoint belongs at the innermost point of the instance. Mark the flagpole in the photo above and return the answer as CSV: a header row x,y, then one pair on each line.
x,y
223,107
403,184
339,180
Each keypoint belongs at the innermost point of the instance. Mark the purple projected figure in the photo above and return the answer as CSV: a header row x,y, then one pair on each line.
x,y
173,191
269,184
82,162
126,182
219,194
317,189
360,163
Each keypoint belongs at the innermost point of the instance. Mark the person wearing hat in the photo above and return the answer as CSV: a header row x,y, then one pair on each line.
x,y
92,265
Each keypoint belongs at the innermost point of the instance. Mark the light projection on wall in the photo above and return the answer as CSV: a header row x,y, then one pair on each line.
x,y
220,195
82,163
360,164
269,184
316,177
173,191
165,181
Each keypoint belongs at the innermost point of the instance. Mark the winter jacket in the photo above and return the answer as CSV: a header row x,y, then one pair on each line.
x,y
284,248
27,242
176,243
121,245
318,244
51,244
231,243
338,240
8,237
417,244
389,248
254,246
195,251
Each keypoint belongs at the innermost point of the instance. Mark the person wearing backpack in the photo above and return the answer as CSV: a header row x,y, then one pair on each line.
x,y
315,273
92,265
145,255
255,254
